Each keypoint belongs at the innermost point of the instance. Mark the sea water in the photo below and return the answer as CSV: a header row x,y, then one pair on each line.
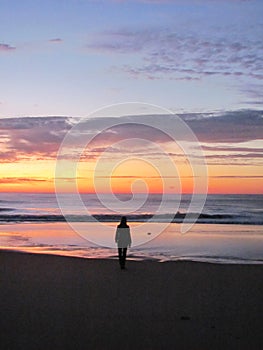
x,y
229,228
28,207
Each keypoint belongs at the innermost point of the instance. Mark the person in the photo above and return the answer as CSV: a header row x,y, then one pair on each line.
x,y
123,240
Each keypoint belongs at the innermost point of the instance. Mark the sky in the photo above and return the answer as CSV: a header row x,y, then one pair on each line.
x,y
62,60
71,57
115,154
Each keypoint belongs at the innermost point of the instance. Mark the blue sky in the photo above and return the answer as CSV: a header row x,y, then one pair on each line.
x,y
71,57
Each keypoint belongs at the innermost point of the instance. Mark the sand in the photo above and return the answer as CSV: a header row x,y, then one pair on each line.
x,y
52,302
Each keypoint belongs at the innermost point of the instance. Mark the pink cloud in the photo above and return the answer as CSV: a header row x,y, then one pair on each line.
x,y
40,137
26,137
6,47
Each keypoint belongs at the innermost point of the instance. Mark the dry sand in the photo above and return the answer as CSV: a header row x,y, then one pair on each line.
x,y
51,302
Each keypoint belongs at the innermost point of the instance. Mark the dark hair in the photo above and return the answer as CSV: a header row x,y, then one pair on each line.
x,y
123,222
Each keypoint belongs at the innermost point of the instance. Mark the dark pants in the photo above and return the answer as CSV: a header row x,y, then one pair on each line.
x,y
122,256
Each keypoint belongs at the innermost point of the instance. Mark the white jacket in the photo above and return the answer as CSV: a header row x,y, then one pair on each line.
x,y
123,237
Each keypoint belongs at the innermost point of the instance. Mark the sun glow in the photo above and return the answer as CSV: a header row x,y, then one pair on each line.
x,y
129,176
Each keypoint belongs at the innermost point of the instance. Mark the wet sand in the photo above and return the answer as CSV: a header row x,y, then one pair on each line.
x,y
52,302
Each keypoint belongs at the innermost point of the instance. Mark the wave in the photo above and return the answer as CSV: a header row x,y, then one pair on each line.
x,y
174,218
213,259
6,209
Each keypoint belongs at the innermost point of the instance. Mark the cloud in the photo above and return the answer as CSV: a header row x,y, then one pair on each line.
x,y
254,103
140,177
171,54
228,127
233,155
231,149
236,156
6,47
40,137
8,157
56,40
33,136
253,94
236,177
17,180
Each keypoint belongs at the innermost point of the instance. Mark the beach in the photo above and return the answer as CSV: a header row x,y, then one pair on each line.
x,y
53,302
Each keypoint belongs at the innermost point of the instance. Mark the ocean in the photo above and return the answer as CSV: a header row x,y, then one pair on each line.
x,y
231,209
228,229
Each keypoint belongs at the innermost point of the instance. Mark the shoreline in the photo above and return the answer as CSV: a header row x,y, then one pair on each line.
x,y
206,243
56,302
135,258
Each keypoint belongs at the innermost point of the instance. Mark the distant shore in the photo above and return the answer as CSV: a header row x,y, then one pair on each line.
x,y
52,302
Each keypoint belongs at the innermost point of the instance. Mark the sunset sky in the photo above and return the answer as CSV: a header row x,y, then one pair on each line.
x,y
61,60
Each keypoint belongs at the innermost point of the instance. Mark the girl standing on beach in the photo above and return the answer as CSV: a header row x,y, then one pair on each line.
x,y
123,240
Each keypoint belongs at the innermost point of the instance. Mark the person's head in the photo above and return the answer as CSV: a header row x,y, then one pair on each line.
x,y
123,220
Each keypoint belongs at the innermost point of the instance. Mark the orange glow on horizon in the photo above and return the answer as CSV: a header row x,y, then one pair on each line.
x,y
124,185
133,175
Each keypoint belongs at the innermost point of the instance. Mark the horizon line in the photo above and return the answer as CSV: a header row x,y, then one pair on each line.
x,y
130,193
